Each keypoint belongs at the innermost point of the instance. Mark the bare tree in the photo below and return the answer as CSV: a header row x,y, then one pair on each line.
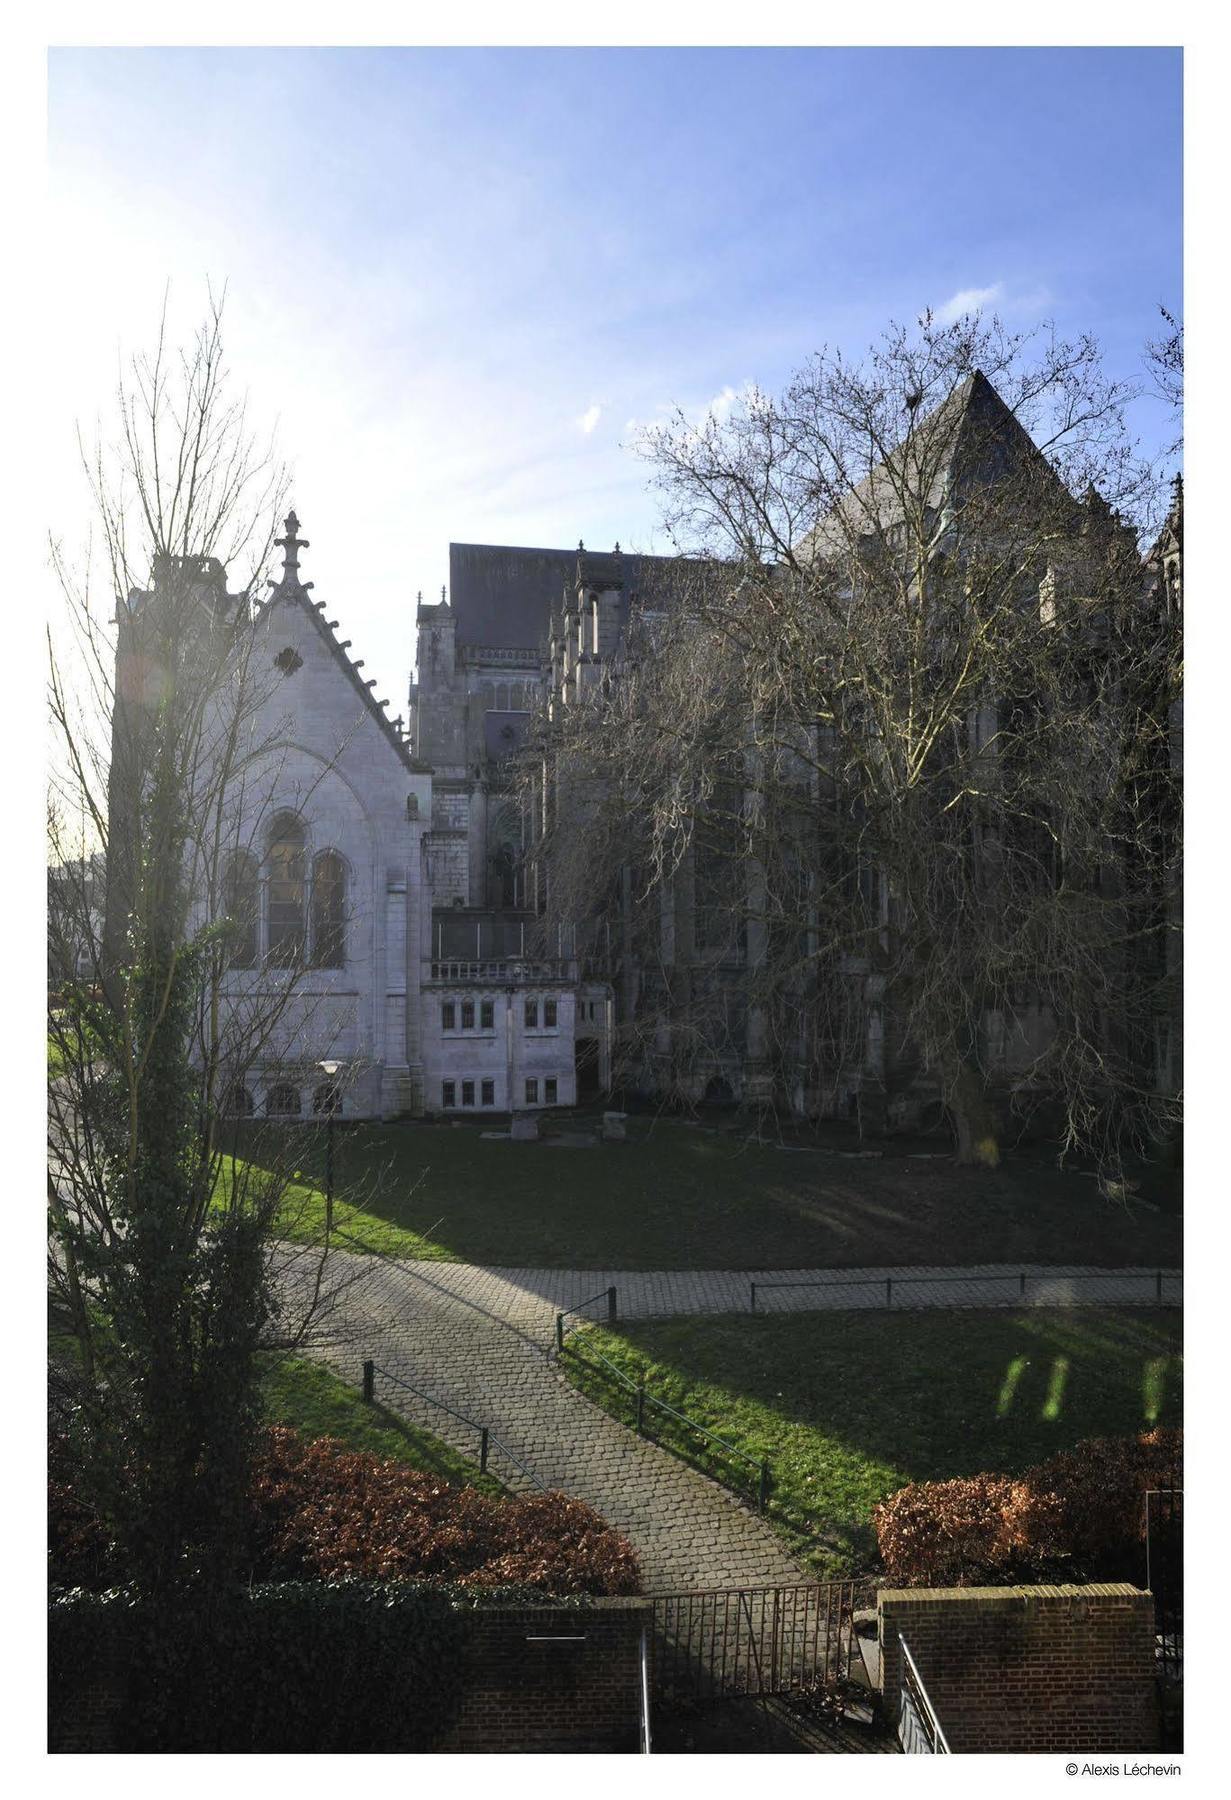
x,y
164,1227
883,794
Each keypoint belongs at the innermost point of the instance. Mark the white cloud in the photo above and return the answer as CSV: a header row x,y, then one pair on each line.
x,y
968,300
589,419
720,406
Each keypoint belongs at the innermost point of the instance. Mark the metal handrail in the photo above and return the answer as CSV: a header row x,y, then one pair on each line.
x,y
644,1696
487,1438
927,1712
638,1389
1021,1277
608,1294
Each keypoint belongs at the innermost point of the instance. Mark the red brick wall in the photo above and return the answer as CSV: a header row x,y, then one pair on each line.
x,y
1027,1668
535,1687
544,1678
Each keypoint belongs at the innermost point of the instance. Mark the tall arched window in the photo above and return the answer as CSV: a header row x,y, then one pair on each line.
x,y
240,904
286,892
328,911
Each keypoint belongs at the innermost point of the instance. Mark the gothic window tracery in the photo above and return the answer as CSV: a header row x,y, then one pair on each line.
x,y
328,911
286,865
240,903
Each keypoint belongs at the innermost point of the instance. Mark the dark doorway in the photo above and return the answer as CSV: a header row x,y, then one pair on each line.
x,y
586,1065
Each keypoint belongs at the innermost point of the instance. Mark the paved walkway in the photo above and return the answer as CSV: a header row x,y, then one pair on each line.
x,y
689,1532
481,1341
530,1298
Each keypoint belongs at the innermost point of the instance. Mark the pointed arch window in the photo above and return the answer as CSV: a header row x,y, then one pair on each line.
x,y
240,902
328,911
286,860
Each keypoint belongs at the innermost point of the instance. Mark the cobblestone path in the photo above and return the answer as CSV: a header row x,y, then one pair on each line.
x,y
530,1298
688,1531
480,1340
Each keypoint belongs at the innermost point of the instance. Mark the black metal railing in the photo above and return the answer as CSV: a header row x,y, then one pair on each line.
x,y
759,1641
919,1730
607,1296
1014,1281
644,1401
488,1441
1164,1577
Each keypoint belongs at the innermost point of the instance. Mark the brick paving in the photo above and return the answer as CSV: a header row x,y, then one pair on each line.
x,y
481,1341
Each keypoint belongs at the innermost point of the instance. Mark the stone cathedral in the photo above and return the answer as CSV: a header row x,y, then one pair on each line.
x,y
388,858
383,860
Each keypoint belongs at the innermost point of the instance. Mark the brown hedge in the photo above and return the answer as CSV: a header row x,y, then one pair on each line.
x,y
1085,1503
322,1512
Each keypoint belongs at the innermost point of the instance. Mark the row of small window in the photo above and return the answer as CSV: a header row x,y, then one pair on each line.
x,y
487,1092
450,1009
284,1101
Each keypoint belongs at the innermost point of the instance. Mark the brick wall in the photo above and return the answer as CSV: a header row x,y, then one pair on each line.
x,y
544,1679
1027,1668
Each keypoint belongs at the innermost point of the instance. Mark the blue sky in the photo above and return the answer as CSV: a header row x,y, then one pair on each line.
x,y
458,280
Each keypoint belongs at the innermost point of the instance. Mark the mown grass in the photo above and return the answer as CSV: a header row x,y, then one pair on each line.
x,y
850,1407
678,1196
309,1398
315,1402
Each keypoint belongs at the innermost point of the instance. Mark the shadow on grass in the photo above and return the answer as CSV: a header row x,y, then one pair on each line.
x,y
848,1408
676,1196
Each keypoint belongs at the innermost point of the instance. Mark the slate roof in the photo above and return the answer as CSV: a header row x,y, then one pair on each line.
x,y
972,433
504,595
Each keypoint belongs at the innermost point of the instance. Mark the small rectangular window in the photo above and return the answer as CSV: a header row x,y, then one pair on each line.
x,y
532,1014
448,1094
468,1093
549,1091
467,1015
448,1014
487,1015
532,1093
549,1014
489,1093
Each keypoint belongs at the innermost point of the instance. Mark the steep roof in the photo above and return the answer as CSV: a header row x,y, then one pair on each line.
x,y
504,595
971,437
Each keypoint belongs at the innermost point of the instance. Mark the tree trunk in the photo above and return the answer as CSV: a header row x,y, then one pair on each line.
x,y
974,1119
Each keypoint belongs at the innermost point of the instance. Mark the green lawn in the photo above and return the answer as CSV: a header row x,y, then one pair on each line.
x,y
678,1196
315,1402
311,1399
850,1407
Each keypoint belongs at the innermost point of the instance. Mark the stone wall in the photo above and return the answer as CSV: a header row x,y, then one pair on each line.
x,y
1027,1668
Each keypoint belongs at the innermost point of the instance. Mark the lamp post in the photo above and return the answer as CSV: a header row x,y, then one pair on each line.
x,y
331,1102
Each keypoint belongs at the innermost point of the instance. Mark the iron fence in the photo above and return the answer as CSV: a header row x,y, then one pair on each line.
x,y
488,1441
1164,1577
710,1643
607,1295
1015,1282
644,1402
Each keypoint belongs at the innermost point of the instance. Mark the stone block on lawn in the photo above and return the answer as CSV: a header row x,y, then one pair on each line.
x,y
524,1128
613,1127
